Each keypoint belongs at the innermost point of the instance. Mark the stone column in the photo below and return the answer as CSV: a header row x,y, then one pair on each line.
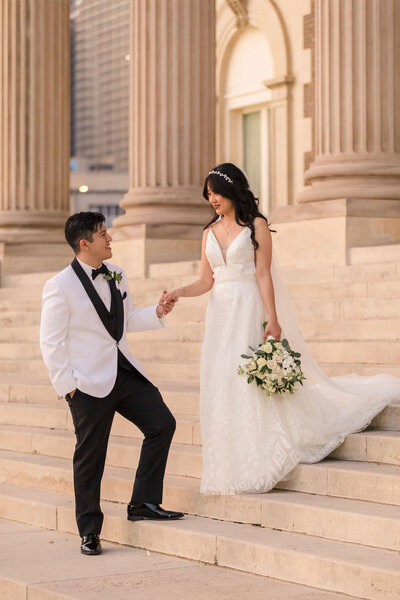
x,y
352,196
172,120
357,101
34,119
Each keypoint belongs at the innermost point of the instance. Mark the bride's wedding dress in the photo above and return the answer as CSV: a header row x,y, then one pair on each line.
x,y
251,442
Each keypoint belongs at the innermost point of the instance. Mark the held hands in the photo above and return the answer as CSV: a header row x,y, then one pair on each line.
x,y
274,330
172,296
165,304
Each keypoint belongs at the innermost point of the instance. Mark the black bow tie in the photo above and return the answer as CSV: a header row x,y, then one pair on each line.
x,y
102,269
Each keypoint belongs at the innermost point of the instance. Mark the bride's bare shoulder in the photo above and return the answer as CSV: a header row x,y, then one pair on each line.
x,y
206,231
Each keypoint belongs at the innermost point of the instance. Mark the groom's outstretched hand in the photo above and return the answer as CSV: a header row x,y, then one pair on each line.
x,y
165,305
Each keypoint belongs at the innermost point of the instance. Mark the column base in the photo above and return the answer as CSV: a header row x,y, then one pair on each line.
x,y
322,233
136,247
32,226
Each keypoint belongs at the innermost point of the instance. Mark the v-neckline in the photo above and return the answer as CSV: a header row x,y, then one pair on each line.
x,y
232,242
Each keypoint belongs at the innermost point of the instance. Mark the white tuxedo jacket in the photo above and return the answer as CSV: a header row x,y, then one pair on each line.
x,y
76,347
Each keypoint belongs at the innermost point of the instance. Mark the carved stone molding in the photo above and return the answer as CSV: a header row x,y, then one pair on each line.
x,y
239,7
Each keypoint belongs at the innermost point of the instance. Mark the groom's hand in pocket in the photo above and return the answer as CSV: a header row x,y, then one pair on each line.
x,y
165,306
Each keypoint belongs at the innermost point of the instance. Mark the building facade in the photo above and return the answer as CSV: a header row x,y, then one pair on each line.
x,y
100,84
302,94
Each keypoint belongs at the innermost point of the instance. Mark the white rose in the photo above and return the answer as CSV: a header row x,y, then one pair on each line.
x,y
252,366
261,362
267,347
271,364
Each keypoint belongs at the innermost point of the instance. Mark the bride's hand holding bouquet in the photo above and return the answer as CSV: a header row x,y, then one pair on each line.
x,y
272,329
274,366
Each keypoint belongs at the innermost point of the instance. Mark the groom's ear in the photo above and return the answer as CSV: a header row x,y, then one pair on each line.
x,y
83,245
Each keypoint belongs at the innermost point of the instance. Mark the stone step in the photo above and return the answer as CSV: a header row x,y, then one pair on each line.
x,y
340,273
181,399
58,417
343,479
193,309
156,285
372,445
32,293
55,571
364,352
313,330
34,264
388,269
345,290
338,369
28,279
38,250
19,304
190,371
175,269
354,329
381,264
370,573
15,319
185,456
145,350
23,367
184,459
357,330
321,303
357,522
376,353
19,334
375,254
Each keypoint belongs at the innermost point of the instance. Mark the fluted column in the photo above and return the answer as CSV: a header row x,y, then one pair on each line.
x,y
34,117
357,101
172,113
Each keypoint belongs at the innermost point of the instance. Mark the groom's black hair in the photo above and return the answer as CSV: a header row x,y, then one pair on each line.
x,y
82,226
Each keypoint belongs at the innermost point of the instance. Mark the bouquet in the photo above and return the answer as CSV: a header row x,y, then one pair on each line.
x,y
274,366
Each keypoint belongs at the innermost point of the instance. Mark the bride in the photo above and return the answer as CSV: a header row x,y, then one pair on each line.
x,y
250,442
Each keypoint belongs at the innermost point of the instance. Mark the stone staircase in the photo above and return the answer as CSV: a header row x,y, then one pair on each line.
x,y
334,526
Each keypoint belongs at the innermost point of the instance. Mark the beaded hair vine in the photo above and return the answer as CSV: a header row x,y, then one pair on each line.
x,y
228,179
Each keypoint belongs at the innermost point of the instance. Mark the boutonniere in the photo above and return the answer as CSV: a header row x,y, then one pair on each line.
x,y
113,275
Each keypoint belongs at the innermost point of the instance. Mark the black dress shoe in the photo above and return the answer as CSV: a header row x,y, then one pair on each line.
x,y
146,510
91,544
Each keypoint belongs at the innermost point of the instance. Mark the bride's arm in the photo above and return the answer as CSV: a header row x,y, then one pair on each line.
x,y
263,276
202,285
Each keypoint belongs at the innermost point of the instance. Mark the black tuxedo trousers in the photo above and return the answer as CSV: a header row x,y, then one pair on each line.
x,y
138,400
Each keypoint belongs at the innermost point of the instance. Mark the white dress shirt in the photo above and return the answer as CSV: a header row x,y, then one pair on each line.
x,y
101,285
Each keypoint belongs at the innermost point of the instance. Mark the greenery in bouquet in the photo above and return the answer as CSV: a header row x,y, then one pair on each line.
x,y
274,366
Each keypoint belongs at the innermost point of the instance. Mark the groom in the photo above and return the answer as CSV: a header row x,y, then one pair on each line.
x,y
86,312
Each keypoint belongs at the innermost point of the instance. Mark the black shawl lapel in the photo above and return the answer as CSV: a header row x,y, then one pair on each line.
x,y
96,300
118,307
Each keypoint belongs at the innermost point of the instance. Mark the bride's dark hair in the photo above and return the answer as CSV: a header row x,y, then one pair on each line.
x,y
229,181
